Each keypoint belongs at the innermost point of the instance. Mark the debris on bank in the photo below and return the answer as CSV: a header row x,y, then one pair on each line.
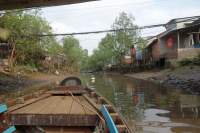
x,y
14,85
186,78
10,82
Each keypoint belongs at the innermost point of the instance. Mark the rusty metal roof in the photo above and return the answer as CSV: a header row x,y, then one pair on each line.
x,y
16,4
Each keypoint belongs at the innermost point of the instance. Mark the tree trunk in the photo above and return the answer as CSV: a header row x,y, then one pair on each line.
x,y
11,59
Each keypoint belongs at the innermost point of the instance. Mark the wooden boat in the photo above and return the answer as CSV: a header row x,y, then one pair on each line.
x,y
69,108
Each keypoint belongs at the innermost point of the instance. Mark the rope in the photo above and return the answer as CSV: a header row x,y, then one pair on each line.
x,y
71,106
79,102
82,106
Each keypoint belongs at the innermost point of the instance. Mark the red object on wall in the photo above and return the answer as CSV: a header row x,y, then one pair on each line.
x,y
170,42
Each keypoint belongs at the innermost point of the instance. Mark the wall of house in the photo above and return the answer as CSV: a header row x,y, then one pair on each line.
x,y
186,38
188,53
168,52
147,55
156,51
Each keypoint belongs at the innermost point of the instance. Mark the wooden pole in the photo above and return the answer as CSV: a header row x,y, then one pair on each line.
x,y
11,59
178,39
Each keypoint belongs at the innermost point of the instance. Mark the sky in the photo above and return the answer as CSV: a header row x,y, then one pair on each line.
x,y
100,15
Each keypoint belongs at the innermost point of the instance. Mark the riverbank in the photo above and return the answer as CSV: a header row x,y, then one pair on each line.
x,y
186,78
15,85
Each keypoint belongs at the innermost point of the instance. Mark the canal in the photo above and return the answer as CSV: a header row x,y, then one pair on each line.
x,y
148,107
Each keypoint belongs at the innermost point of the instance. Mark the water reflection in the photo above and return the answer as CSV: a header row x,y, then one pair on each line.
x,y
153,108
190,102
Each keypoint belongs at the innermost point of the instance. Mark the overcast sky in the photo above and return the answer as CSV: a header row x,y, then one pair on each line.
x,y
99,15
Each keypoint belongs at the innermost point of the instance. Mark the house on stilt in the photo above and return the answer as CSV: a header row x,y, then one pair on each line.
x,y
180,40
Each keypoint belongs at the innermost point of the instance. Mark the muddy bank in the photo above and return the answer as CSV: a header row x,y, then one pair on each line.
x,y
13,85
10,83
186,78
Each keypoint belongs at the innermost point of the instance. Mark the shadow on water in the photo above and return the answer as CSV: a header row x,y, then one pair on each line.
x,y
151,107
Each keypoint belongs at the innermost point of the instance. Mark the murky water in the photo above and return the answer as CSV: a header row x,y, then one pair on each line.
x,y
152,108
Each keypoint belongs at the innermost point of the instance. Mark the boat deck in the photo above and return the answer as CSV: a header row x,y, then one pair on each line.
x,y
67,130
65,109
54,110
57,105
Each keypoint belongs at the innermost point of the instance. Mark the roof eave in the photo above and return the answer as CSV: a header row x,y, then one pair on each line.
x,y
18,4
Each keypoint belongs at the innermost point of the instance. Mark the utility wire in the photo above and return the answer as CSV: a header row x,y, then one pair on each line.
x,y
114,30
99,31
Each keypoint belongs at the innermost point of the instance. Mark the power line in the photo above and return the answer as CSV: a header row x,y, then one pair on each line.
x,y
114,30
99,31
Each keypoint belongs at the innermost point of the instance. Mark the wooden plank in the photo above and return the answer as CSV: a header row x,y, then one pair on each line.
x,y
121,128
47,105
38,106
62,105
57,105
52,105
67,130
114,116
28,102
53,119
35,107
84,105
88,108
68,101
77,107
92,102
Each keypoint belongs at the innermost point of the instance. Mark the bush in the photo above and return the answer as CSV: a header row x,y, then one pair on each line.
x,y
185,62
192,61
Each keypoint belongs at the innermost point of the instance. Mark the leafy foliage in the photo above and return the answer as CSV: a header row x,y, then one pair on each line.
x,y
125,38
75,54
113,47
23,27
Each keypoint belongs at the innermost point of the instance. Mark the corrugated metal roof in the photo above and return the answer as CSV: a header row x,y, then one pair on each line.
x,y
183,19
150,41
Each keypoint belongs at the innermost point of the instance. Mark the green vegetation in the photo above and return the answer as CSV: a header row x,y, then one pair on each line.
x,y
29,49
75,54
190,61
114,46
33,51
